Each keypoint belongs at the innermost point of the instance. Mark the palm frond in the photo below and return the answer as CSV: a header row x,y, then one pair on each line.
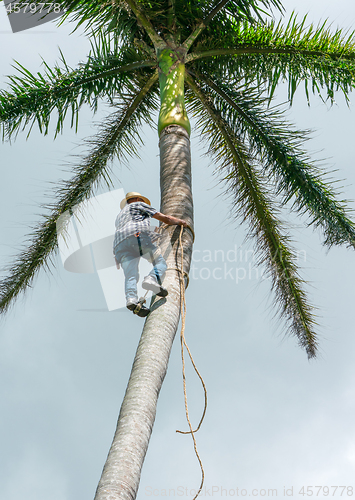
x,y
32,98
117,138
223,16
272,53
279,149
252,205
96,16
149,19
129,19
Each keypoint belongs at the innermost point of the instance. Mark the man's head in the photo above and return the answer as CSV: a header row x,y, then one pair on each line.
x,y
133,197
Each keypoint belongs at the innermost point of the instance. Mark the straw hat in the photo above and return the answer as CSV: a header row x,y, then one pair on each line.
x,y
132,194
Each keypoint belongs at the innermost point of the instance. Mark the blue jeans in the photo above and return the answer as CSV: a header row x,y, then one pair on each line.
x,y
128,254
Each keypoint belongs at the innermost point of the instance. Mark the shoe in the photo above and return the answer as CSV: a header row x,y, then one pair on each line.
x,y
132,304
150,283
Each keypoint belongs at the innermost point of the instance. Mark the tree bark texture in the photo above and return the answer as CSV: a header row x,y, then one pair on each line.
x,y
121,473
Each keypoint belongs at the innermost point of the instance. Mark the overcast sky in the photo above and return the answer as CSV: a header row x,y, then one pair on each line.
x,y
274,419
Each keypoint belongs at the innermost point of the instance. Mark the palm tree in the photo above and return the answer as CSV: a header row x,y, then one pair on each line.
x,y
220,63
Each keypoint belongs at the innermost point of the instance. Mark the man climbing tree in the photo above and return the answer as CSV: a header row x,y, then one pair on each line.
x,y
134,239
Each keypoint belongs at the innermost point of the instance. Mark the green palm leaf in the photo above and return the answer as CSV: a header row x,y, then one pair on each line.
x,y
279,149
32,98
253,206
272,53
117,138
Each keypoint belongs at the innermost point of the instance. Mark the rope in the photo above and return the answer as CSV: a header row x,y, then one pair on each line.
x,y
140,303
183,343
192,232
179,271
187,227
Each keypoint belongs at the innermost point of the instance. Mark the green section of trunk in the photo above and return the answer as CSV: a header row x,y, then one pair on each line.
x,y
171,81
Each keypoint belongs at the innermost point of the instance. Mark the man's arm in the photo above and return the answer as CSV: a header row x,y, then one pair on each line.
x,y
169,219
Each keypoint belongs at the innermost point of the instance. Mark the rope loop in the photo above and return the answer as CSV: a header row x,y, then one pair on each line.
x,y
184,344
186,276
164,226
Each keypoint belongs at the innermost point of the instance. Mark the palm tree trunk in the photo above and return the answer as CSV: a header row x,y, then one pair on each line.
x,y
121,473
